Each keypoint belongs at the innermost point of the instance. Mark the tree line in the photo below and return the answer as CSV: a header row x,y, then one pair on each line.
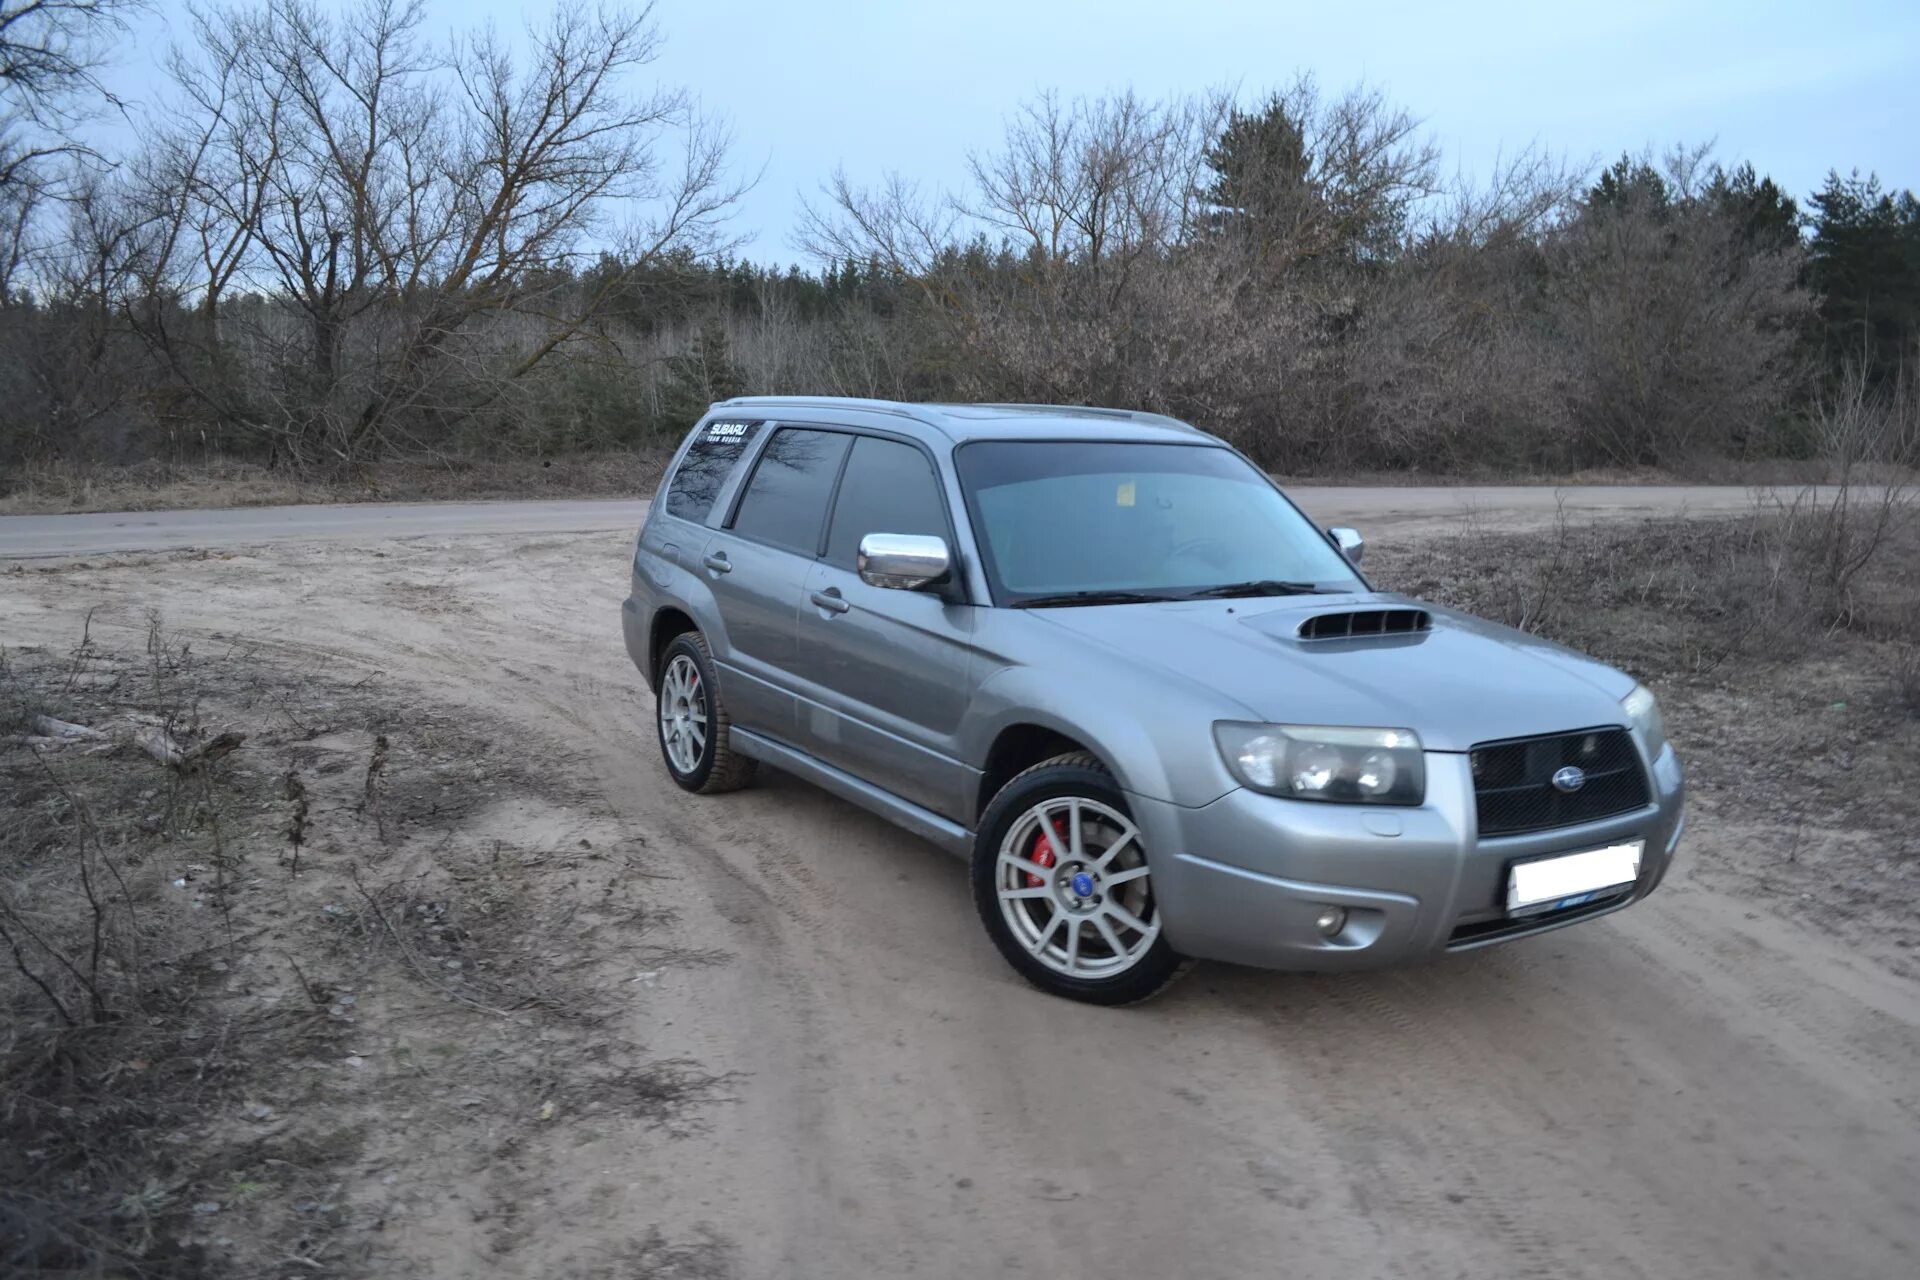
x,y
337,240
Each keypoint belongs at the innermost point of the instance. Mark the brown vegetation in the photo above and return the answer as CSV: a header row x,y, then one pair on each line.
x,y
332,247
231,482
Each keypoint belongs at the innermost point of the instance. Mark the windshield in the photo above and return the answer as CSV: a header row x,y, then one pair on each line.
x,y
1152,521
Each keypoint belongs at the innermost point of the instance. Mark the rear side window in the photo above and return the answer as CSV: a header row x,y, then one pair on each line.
x,y
705,468
786,501
889,488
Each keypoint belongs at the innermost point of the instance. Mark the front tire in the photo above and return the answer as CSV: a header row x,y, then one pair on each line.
x,y
1061,881
691,718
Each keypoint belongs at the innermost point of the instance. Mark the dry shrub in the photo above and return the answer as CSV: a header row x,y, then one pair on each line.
x,y
1906,677
110,1045
1825,540
1806,562
1682,597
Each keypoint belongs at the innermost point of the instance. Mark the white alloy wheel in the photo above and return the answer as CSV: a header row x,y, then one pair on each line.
x,y
1072,884
683,714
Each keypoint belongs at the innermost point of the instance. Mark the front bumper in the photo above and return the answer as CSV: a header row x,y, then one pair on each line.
x,y
1243,879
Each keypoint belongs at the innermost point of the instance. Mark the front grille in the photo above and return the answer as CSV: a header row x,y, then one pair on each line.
x,y
1513,787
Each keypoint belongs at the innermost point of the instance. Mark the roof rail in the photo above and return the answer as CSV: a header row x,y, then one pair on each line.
x,y
894,407
931,413
1091,411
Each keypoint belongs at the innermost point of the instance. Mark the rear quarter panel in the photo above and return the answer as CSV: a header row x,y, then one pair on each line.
x,y
666,570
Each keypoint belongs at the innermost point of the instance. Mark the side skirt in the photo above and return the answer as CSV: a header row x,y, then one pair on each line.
x,y
924,823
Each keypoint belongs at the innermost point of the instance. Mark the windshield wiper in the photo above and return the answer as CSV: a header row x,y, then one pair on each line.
x,y
1069,598
1258,587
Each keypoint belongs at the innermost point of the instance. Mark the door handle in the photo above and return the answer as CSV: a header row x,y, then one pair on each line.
x,y
717,562
830,600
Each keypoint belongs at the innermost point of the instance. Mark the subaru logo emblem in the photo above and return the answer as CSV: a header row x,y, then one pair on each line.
x,y
1571,778
1083,885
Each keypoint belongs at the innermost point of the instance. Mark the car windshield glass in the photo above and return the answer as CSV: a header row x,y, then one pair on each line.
x,y
1164,521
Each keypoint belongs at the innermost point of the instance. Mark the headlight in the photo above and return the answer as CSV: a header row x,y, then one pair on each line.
x,y
1316,762
1643,713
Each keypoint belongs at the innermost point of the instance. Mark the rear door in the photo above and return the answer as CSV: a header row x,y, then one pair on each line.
x,y
757,566
883,673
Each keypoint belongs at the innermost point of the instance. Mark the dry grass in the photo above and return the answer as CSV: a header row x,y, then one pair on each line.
x,y
232,995
154,486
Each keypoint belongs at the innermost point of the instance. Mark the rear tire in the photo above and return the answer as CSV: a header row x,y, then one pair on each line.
x,y
691,721
1060,879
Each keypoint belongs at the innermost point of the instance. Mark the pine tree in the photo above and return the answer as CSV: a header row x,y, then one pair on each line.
x,y
1629,184
1767,215
701,375
1866,267
1273,191
1262,171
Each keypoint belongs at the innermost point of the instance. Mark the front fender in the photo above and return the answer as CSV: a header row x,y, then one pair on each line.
x,y
1158,742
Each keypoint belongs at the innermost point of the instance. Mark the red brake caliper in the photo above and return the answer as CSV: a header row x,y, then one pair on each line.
x,y
1043,851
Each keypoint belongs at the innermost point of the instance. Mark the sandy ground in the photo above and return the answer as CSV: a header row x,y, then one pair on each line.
x,y
1695,1087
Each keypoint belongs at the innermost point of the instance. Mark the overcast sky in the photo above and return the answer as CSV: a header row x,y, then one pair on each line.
x,y
1795,88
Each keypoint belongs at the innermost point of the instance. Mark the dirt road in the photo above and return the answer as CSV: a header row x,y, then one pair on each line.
x,y
1696,1087
1513,506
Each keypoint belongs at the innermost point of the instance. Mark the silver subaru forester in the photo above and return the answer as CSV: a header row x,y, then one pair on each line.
x,y
1100,655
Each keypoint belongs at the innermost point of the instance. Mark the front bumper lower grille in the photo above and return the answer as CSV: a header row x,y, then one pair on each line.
x,y
1514,791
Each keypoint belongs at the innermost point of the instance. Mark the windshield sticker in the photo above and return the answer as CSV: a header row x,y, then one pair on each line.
x,y
1124,495
729,432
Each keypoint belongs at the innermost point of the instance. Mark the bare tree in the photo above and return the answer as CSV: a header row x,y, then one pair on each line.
x,y
400,205
1047,278
62,231
50,54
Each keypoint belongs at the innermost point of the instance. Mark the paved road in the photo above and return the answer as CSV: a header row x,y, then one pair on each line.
x,y
98,533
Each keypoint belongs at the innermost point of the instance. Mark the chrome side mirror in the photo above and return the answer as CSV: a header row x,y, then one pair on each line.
x,y
1351,544
906,561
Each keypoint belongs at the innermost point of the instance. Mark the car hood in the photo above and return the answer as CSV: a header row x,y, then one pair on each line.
x,y
1463,681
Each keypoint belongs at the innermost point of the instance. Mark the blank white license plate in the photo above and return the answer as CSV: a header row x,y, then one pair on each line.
x,y
1548,884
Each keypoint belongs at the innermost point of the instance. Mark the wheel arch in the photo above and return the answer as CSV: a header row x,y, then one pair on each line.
x,y
668,621
1156,740
1019,746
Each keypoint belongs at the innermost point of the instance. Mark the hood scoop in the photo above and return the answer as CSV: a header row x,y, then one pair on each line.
x,y
1357,623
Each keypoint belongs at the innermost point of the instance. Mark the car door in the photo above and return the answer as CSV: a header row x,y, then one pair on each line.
x,y
757,566
883,673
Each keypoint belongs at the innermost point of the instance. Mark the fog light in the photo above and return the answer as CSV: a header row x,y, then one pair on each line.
x,y
1331,920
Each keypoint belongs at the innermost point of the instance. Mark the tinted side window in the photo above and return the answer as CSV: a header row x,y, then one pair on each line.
x,y
889,488
786,501
705,468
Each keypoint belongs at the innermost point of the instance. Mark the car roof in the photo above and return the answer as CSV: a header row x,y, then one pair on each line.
x,y
959,423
